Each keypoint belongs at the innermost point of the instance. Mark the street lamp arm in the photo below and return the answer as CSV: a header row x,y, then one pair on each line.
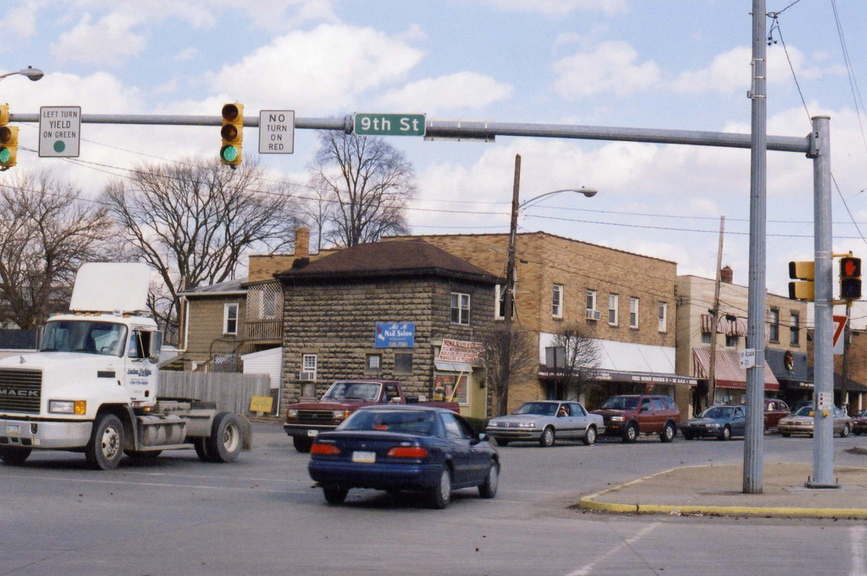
x,y
588,192
31,72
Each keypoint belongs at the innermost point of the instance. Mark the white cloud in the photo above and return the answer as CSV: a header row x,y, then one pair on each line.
x,y
109,41
611,67
560,7
459,91
20,19
187,54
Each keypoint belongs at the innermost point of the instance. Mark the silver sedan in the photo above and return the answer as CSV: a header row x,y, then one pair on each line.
x,y
545,421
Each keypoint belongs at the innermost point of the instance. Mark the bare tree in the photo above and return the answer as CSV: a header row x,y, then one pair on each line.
x,y
507,354
370,183
570,357
46,233
193,221
317,212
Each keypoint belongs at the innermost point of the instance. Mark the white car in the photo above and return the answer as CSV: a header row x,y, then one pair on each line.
x,y
545,421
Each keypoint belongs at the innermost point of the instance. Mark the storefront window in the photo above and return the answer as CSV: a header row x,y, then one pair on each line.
x,y
454,387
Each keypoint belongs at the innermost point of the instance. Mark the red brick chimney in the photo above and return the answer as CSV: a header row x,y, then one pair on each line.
x,y
726,275
302,242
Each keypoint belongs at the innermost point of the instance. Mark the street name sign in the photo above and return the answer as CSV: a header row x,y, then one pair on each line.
x,y
276,131
59,131
368,124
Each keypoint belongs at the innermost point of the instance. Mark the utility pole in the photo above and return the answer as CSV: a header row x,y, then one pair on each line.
x,y
711,382
754,435
844,385
506,355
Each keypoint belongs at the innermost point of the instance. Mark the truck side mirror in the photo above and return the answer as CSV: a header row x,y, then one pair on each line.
x,y
154,346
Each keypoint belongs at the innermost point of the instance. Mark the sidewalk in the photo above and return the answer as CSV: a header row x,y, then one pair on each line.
x,y
717,490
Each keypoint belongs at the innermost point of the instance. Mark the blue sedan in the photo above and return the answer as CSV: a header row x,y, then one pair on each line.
x,y
723,422
397,448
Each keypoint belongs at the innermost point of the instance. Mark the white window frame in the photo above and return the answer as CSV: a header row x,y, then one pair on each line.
x,y
226,307
310,364
613,306
633,311
662,316
499,296
463,312
774,325
593,296
556,300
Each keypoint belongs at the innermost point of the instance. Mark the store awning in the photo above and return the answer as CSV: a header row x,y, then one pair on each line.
x,y
729,374
728,325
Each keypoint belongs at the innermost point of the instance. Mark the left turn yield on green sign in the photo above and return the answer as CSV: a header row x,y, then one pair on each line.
x,y
59,131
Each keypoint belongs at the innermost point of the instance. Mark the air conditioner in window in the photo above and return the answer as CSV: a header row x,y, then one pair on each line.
x,y
307,375
593,314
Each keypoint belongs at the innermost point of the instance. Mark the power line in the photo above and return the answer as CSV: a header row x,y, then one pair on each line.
x,y
853,81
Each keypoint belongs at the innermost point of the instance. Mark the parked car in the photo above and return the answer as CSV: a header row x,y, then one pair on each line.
x,y
397,448
629,415
775,410
859,423
801,422
723,422
545,422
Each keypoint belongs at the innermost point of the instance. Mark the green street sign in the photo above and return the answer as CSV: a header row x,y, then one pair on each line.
x,y
367,124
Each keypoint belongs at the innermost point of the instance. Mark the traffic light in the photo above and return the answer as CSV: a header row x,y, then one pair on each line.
x,y
850,278
232,151
804,271
8,140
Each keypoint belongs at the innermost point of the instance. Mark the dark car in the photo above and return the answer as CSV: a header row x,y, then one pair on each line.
x,y
775,410
629,415
859,423
722,422
396,448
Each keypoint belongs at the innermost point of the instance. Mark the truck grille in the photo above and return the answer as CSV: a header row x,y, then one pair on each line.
x,y
20,390
316,416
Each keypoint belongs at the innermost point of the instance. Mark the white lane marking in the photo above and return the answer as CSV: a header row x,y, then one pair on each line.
x,y
150,484
857,535
588,568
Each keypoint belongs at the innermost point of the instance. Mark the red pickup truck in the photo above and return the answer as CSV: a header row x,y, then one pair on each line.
x,y
305,420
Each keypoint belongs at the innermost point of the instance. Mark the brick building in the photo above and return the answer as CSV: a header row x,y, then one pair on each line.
x,y
337,311
623,302
855,396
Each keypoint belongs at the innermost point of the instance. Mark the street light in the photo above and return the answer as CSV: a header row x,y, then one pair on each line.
x,y
503,400
31,72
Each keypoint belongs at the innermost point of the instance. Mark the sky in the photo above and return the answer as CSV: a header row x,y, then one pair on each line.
x,y
666,64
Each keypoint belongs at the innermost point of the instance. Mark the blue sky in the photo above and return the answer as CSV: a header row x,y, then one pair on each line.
x,y
641,63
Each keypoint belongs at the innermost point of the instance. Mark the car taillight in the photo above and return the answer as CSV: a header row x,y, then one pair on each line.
x,y
325,449
415,452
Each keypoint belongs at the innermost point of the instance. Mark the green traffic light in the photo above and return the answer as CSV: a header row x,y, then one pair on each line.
x,y
229,153
5,155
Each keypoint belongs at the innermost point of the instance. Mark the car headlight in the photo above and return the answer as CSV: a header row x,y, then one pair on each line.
x,y
713,425
617,418
292,413
76,407
340,414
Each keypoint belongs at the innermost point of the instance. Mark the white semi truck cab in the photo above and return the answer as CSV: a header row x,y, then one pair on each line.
x,y
92,386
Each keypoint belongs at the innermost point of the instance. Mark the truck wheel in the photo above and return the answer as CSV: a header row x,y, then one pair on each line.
x,y
302,443
105,448
630,433
201,446
14,456
224,444
668,432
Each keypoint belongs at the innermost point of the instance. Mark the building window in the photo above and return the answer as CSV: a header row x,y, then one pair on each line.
x,y
499,302
373,363
774,325
795,329
402,363
705,337
731,340
557,301
613,305
460,305
590,305
662,315
308,366
230,318
633,312
454,387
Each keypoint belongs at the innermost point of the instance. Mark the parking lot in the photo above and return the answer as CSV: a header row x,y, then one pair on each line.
x,y
261,515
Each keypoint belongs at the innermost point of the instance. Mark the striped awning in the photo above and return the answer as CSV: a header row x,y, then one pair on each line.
x,y
730,326
729,374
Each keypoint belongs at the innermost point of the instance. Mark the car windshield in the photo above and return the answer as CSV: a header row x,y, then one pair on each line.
x,y
403,421
620,403
719,412
805,411
86,337
540,408
366,391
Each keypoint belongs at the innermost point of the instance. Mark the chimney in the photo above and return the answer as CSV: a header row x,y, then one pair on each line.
x,y
302,242
726,275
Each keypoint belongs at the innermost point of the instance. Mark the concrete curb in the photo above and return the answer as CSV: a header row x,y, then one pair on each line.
x,y
591,503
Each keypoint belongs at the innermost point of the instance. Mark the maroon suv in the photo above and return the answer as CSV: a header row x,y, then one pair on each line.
x,y
629,415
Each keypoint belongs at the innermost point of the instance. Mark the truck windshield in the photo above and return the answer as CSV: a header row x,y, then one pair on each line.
x,y
103,338
366,391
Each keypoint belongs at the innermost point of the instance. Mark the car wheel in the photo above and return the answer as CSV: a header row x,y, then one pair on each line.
x,y
845,431
668,432
726,434
547,437
488,489
302,443
224,444
502,442
13,455
105,448
630,434
590,436
334,494
441,494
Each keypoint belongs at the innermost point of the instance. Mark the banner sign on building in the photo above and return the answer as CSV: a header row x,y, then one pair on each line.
x,y
394,335
459,355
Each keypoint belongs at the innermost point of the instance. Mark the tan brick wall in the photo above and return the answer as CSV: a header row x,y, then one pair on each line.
x,y
206,326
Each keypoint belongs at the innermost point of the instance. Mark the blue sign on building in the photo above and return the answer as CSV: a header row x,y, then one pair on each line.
x,y
394,335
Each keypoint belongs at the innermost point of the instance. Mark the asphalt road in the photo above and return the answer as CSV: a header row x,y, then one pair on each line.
x,y
261,515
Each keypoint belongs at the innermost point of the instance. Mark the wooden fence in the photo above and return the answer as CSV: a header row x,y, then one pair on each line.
x,y
231,391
